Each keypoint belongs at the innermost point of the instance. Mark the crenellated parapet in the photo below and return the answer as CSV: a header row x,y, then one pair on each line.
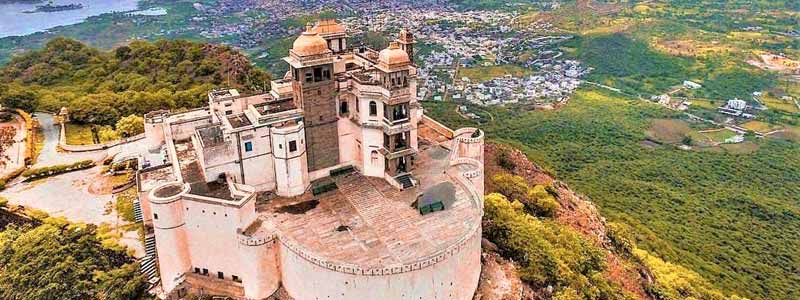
x,y
418,264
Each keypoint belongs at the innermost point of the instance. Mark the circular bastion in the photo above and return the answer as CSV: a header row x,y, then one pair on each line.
x,y
390,250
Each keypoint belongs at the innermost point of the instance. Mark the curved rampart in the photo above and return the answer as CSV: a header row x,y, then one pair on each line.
x,y
450,273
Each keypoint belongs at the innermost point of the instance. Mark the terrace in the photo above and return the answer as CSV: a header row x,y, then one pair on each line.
x,y
369,223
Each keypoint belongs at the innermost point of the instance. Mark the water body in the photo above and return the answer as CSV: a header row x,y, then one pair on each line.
x,y
14,22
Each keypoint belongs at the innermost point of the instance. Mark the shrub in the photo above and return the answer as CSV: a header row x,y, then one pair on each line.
x,y
541,203
57,169
3,201
504,161
549,254
9,177
675,281
538,200
620,237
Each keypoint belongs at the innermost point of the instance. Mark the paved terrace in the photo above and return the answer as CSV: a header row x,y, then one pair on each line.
x,y
368,223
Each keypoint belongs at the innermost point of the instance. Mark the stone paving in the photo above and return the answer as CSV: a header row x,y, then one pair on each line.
x,y
369,223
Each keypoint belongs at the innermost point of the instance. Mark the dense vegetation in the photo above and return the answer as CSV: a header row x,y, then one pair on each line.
x,y
62,261
562,263
732,218
102,87
631,65
549,253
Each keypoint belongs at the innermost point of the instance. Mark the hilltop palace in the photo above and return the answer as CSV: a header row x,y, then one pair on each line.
x,y
334,185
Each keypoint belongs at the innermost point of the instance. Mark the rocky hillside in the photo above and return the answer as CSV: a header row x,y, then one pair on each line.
x,y
515,267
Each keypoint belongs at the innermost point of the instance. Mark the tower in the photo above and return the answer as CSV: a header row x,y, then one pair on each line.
x,y
168,226
406,41
315,93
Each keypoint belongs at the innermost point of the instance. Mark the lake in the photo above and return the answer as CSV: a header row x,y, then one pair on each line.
x,y
14,22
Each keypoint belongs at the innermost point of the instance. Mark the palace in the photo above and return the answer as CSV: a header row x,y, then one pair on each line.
x,y
334,185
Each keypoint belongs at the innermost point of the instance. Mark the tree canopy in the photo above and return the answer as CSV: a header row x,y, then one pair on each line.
x,y
62,261
101,87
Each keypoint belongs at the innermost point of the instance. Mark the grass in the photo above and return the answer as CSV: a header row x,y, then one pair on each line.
x,y
760,127
669,131
741,148
120,179
779,104
124,204
81,134
718,136
705,103
481,74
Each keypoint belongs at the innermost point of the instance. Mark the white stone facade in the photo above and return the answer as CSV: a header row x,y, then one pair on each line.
x,y
240,173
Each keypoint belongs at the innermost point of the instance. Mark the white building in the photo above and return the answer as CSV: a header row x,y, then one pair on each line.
x,y
334,185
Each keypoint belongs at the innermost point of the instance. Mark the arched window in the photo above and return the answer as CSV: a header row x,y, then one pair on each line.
x,y
373,108
343,107
373,156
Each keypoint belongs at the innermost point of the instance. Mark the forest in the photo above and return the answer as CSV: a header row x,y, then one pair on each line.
x,y
58,260
729,217
102,87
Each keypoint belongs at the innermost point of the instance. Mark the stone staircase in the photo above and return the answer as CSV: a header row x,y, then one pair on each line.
x,y
137,211
405,180
148,262
387,217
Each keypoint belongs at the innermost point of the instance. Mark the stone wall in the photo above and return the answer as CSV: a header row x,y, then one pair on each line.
x,y
449,275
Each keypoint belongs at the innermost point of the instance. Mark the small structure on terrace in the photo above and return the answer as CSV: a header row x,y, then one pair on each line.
x,y
334,185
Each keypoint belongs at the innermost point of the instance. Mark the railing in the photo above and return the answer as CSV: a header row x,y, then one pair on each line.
x,y
404,119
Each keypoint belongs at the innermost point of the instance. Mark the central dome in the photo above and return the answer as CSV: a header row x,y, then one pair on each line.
x,y
393,55
309,43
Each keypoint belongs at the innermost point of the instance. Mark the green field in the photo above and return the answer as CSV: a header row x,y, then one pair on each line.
x,y
481,74
760,127
82,134
717,136
784,105
732,217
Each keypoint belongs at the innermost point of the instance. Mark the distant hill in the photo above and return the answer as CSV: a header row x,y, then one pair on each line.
x,y
100,87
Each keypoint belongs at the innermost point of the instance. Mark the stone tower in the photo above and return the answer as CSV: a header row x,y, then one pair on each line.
x,y
406,41
315,93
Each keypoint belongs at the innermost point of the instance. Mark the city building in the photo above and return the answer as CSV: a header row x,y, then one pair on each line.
x,y
334,185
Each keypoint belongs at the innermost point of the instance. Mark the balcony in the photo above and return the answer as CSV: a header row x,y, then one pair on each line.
x,y
392,129
398,95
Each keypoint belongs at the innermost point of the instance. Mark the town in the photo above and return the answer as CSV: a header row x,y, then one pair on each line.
x,y
514,63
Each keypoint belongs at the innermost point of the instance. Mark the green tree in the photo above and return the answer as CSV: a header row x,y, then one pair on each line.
x,y
62,261
21,99
130,126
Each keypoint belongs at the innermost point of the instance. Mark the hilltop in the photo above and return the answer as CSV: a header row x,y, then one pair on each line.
x,y
100,87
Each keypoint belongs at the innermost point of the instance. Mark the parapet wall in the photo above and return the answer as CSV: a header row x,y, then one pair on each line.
x,y
449,275
438,127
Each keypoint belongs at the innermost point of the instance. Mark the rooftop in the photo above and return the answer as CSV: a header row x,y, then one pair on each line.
x,y
211,136
188,164
239,120
369,223
275,106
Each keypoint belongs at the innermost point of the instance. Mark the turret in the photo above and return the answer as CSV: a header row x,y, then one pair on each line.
x,y
168,225
314,90
406,40
289,152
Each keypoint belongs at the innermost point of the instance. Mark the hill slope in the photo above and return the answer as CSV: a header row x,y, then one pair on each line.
x,y
732,218
100,87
